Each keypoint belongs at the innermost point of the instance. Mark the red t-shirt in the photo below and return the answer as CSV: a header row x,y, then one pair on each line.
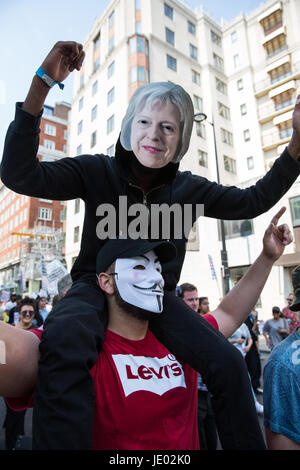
x,y
144,397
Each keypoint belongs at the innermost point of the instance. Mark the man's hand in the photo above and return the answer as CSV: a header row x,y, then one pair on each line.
x,y
294,145
276,237
63,58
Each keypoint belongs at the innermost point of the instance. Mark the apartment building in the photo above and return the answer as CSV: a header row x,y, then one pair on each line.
x,y
26,219
242,75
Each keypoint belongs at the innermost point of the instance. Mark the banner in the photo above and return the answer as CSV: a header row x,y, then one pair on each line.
x,y
212,268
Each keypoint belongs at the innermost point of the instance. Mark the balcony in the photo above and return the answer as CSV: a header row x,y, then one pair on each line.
x,y
274,138
270,110
264,86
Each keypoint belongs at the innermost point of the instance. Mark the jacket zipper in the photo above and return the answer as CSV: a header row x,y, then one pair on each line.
x,y
146,194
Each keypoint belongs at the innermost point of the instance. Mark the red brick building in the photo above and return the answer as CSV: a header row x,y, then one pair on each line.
x,y
21,215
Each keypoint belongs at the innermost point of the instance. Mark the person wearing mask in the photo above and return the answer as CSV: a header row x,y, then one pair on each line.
x,y
155,136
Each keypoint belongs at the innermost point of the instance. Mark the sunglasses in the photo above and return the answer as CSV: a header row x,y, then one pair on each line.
x,y
24,312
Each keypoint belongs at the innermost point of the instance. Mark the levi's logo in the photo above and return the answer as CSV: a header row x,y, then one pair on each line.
x,y
152,374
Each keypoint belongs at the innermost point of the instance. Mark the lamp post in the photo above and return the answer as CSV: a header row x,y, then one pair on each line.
x,y
200,117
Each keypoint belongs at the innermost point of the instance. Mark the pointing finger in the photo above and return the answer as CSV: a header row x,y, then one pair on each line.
x,y
278,215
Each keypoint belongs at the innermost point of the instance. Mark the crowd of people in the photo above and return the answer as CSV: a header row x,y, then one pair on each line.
x,y
26,313
109,336
14,313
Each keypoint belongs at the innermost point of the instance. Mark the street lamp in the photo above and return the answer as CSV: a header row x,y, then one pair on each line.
x,y
200,117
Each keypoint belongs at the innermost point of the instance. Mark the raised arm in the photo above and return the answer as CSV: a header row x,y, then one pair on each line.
x,y
21,170
19,354
235,307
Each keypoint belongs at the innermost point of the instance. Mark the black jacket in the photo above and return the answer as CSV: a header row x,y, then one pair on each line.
x,y
99,179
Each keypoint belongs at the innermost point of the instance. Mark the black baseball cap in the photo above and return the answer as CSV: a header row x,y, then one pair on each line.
x,y
275,310
127,248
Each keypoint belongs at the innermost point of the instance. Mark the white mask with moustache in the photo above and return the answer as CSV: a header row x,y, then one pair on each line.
x,y
139,281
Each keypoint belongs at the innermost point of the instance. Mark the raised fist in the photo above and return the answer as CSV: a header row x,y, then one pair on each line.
x,y
63,58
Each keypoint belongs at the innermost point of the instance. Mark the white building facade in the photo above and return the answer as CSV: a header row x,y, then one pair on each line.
x,y
243,75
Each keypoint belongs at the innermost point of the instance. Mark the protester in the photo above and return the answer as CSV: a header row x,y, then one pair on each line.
x,y
292,317
275,329
282,387
241,339
203,305
132,359
207,430
155,135
14,420
252,357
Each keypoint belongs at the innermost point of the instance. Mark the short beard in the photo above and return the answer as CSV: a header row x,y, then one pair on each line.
x,y
132,310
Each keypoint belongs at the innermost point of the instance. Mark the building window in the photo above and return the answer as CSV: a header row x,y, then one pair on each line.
x,y
191,27
50,130
95,88
195,77
170,36
238,228
111,19
221,86
233,36
111,69
283,100
197,103
97,41
137,74
200,130
138,27
246,135
224,111
227,137
44,213
93,138
49,144
203,158
77,206
94,113
110,96
215,38
276,45
171,63
243,108
111,151
295,210
76,234
229,164
285,129
250,163
79,128
236,61
111,44
218,62
62,216
168,11
79,150
111,124
240,84
281,72
81,81
193,52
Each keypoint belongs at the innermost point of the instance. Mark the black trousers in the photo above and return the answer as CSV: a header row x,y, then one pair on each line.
x,y
207,430
73,336
14,427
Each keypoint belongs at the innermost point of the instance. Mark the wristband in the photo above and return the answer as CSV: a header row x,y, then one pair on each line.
x,y
47,79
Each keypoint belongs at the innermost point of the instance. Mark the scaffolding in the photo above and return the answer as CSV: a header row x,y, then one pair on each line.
x,y
39,246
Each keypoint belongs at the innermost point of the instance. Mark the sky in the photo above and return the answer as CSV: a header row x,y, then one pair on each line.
x,y
30,28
